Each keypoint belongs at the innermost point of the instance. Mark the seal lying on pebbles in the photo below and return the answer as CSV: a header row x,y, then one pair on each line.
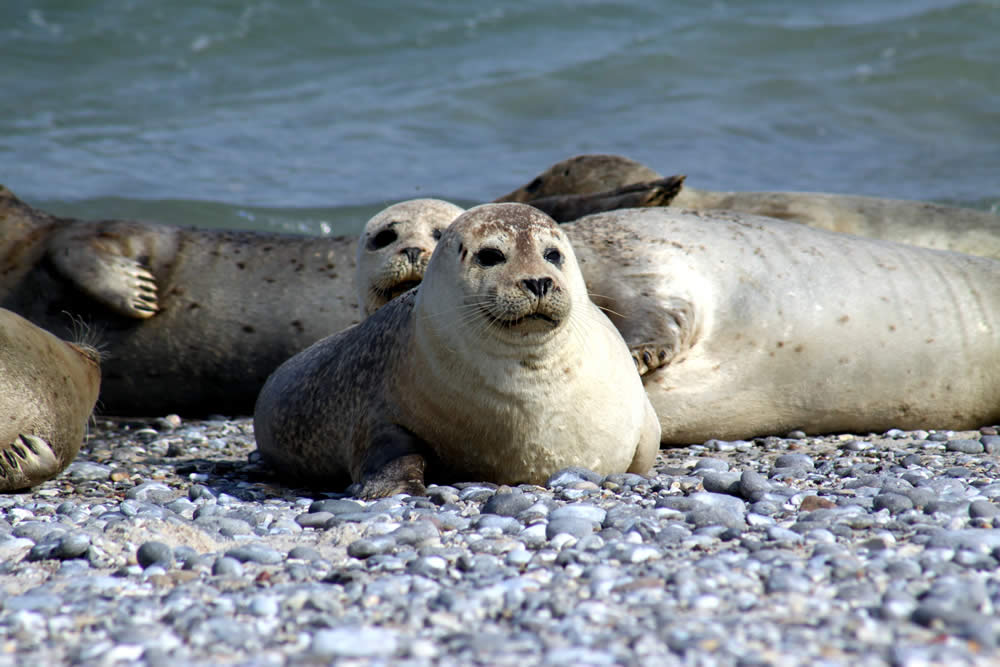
x,y
191,321
745,325
498,368
753,326
916,223
48,388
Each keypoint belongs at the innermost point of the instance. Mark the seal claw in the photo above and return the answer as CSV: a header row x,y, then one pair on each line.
x,y
26,461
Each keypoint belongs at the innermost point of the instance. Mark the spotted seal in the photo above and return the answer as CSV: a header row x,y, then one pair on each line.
x,y
498,368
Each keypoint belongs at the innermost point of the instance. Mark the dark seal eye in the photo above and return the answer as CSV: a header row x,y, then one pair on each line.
x,y
534,185
553,256
383,238
489,257
436,234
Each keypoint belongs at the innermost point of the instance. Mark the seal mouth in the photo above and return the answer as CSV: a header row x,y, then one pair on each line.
x,y
390,293
513,323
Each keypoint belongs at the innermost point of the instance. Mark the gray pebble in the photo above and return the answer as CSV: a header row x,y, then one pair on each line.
x,y
894,502
72,545
579,511
573,475
507,504
255,553
227,566
794,461
983,509
753,485
965,446
152,552
576,526
336,506
304,552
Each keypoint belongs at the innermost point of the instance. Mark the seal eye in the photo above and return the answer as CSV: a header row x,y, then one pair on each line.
x,y
383,238
436,234
534,185
489,257
553,256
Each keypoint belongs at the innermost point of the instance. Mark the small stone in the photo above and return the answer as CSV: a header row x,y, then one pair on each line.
x,y
574,526
811,503
152,552
572,475
256,553
983,509
579,511
227,566
315,519
894,502
965,446
354,642
73,545
753,485
507,504
336,506
304,552
794,461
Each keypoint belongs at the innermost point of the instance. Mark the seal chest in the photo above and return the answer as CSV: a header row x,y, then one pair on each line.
x,y
498,368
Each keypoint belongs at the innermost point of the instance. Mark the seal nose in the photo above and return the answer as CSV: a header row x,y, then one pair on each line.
x,y
412,254
538,286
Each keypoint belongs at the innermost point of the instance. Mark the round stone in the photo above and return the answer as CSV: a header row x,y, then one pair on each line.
x,y
152,552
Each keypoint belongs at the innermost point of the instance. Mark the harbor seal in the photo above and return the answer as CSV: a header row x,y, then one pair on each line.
x,y
191,321
395,246
916,223
48,388
498,368
755,326
744,326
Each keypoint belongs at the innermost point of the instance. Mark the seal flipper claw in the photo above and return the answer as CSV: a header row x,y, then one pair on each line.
x,y
120,283
402,475
27,461
649,357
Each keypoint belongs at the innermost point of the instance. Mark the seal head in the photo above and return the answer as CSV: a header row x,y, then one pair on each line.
x,y
395,246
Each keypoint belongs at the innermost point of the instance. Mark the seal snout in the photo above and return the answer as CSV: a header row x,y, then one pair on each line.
x,y
538,286
412,254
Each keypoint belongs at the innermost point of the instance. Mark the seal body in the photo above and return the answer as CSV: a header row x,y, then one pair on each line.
x,y
757,326
48,388
498,367
912,222
190,321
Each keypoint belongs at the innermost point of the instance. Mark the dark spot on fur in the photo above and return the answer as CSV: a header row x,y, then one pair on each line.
x,y
297,325
240,265
248,329
798,348
843,319
780,344
193,306
892,327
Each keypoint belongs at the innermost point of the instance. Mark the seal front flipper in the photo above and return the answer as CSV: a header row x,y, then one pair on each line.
x,y
394,463
657,335
25,462
120,283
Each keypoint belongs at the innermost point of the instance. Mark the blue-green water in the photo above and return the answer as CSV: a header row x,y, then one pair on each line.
x,y
309,116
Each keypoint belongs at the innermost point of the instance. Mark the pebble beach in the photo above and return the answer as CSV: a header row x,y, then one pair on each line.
x,y
167,543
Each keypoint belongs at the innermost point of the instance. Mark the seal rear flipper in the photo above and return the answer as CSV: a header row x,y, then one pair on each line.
x,y
25,462
120,283
393,463
569,207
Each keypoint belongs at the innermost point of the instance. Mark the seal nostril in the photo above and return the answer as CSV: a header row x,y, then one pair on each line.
x,y
412,254
538,286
